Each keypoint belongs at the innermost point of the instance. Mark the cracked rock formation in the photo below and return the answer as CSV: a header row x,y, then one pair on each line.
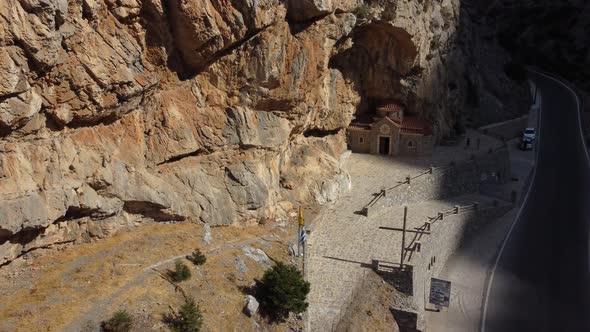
x,y
118,112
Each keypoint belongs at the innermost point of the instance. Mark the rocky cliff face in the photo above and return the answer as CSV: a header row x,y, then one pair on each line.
x,y
552,35
116,112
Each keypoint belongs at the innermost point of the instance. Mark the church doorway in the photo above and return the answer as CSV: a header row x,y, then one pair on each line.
x,y
383,145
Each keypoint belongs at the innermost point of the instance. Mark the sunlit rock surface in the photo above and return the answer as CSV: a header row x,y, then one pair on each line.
x,y
115,112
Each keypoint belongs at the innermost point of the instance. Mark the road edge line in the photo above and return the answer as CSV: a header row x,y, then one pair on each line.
x,y
578,113
528,191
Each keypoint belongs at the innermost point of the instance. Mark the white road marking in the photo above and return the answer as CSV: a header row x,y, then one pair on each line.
x,y
491,281
578,113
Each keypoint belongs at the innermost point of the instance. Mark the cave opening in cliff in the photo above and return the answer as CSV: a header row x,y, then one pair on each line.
x,y
377,58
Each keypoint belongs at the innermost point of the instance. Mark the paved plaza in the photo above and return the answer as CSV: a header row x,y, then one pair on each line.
x,y
343,243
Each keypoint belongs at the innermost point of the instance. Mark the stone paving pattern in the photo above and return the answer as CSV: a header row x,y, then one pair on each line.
x,y
469,267
342,243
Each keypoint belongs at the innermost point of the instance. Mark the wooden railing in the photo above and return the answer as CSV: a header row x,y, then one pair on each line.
x,y
408,180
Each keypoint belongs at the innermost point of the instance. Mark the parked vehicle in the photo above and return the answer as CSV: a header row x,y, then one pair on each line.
x,y
526,143
528,133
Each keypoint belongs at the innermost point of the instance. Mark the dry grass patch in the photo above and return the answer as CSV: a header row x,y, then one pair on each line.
x,y
85,284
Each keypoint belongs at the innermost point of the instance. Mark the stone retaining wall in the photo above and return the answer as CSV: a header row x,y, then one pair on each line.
x,y
507,129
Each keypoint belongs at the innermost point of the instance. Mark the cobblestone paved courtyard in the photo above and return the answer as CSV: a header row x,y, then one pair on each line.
x,y
343,243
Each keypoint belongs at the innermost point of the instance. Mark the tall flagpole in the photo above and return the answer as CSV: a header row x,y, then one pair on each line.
x,y
300,220
303,264
303,240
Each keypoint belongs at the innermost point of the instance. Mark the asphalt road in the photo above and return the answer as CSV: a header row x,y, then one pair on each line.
x,y
542,279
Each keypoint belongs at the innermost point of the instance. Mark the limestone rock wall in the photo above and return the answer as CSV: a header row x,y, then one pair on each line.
x,y
117,112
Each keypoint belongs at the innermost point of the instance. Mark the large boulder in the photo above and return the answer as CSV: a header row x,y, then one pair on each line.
x,y
252,305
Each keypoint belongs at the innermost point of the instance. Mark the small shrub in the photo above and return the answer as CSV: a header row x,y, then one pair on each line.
x,y
189,319
197,257
282,290
120,322
181,272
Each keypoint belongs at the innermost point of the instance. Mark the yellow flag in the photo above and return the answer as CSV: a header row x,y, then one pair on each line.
x,y
300,217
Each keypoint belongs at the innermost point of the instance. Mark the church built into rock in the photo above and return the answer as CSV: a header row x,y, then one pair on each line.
x,y
390,132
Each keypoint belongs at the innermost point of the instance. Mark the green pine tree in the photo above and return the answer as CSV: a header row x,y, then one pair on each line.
x,y
282,290
181,272
189,319
197,257
120,322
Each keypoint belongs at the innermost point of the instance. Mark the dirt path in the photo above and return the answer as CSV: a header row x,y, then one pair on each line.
x,y
75,288
97,311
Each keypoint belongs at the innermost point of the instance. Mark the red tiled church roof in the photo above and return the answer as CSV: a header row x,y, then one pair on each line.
x,y
416,125
410,124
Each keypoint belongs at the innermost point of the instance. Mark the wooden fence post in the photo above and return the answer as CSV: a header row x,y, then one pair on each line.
x,y
365,211
404,238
